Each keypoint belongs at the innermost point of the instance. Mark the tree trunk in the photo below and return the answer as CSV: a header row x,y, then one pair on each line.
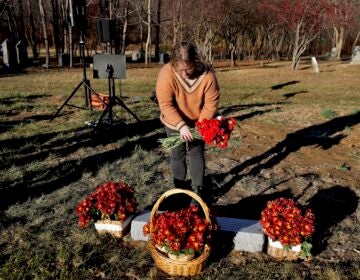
x,y
126,15
64,27
175,20
71,47
295,55
356,39
33,31
232,52
43,23
157,31
279,46
56,28
148,40
339,37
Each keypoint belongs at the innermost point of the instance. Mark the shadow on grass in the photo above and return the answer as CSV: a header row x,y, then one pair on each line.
x,y
247,208
292,94
11,101
321,135
235,108
279,86
61,145
330,205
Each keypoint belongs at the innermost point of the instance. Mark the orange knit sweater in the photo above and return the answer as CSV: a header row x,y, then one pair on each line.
x,y
181,103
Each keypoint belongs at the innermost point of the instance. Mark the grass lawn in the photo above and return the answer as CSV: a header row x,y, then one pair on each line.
x,y
298,134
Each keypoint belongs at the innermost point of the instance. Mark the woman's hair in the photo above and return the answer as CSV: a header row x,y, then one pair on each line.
x,y
185,51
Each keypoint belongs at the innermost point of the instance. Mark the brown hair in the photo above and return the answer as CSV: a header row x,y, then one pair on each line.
x,y
185,51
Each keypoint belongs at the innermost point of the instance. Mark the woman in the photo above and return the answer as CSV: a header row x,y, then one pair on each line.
x,y
187,91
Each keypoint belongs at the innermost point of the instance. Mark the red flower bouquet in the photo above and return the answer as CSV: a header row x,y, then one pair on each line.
x,y
214,132
283,220
110,201
180,232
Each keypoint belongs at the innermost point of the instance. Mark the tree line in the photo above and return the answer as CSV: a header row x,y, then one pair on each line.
x,y
236,29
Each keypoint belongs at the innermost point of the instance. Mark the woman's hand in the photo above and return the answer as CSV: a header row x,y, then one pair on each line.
x,y
185,133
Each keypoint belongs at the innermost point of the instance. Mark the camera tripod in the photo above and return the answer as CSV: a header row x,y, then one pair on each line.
x,y
84,82
113,100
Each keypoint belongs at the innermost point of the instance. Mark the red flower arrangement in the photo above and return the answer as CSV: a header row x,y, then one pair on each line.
x,y
283,220
215,132
113,201
183,231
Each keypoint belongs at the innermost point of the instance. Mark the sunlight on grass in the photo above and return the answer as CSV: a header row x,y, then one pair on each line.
x,y
12,174
63,160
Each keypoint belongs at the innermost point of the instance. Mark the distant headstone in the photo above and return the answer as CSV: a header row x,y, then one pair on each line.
x,y
315,65
355,57
21,54
164,58
331,55
136,55
9,54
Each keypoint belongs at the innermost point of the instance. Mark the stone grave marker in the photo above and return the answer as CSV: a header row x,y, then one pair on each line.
x,y
355,58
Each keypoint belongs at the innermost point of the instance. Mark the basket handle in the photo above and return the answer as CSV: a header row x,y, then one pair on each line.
x,y
178,191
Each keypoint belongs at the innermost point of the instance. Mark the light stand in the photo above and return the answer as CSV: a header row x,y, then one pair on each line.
x,y
113,99
85,82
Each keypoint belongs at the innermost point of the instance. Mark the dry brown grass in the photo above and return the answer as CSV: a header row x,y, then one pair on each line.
x,y
286,143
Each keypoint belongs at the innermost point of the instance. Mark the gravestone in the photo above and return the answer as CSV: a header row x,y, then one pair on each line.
x,y
246,235
315,65
164,58
136,56
355,57
9,54
331,55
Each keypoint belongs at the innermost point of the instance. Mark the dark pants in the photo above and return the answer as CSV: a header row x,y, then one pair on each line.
x,y
195,151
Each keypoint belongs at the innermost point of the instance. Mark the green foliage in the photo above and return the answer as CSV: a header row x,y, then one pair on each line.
x,y
343,167
329,114
305,252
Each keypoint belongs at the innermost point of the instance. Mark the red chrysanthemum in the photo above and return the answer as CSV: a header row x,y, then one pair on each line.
x,y
112,200
285,221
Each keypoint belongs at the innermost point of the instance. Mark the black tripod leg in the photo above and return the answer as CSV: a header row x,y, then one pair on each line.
x,y
66,101
106,110
122,104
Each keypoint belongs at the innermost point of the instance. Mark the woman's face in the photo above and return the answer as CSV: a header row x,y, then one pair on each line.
x,y
184,70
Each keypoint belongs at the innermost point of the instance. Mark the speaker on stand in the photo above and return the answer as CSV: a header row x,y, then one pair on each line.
x,y
105,31
78,20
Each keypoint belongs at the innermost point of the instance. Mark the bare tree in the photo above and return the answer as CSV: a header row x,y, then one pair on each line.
x,y
341,16
203,24
148,39
177,21
58,41
304,19
125,24
33,36
43,24
157,26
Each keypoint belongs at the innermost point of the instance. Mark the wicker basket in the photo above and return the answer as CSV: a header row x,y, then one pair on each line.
x,y
173,267
276,250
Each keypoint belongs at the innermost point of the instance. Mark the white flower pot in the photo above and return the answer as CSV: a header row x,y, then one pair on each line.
x,y
276,250
115,228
